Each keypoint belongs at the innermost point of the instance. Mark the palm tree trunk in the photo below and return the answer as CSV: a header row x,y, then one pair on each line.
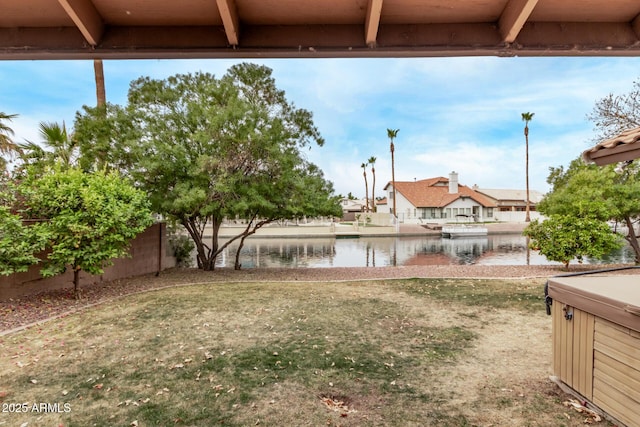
x,y
393,181
366,192
527,217
101,93
373,191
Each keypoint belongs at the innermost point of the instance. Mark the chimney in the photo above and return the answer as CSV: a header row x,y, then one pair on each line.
x,y
453,183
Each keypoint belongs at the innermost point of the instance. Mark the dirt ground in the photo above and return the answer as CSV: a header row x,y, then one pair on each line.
x,y
20,312
505,381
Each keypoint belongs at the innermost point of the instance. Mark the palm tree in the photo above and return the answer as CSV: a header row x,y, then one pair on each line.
x,y
526,118
57,146
372,162
7,146
366,186
392,133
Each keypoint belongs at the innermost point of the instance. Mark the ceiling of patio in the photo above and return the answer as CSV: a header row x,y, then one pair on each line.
x,y
109,29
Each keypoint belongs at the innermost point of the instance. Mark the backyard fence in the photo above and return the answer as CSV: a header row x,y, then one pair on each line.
x,y
149,254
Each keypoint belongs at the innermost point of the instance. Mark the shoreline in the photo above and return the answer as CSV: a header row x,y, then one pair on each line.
x,y
33,310
337,231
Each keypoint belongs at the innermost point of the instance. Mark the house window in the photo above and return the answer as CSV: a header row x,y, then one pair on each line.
x,y
489,212
391,195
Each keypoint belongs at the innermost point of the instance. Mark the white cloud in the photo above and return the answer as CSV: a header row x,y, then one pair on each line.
x,y
458,114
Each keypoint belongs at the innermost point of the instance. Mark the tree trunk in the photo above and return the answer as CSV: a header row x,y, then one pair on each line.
x,y
527,217
210,264
373,190
190,225
248,232
76,282
393,181
101,93
633,239
366,191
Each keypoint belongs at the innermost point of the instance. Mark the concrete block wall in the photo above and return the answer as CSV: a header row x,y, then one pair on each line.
x,y
149,254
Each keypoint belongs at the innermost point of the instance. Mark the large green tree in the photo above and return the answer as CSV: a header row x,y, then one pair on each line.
x,y
207,148
90,218
19,242
602,193
563,238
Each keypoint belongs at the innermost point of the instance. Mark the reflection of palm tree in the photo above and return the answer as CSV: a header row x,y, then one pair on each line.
x,y
526,118
372,162
7,146
392,133
366,186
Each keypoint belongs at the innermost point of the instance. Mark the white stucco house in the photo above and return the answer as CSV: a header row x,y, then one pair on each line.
x,y
438,200
512,204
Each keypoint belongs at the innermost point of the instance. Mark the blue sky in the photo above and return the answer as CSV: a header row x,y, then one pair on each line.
x,y
454,114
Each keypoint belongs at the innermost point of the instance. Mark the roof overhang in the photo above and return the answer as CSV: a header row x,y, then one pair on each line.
x,y
621,148
123,29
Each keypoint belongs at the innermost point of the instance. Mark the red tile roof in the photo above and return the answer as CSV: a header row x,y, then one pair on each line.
x,y
623,147
434,193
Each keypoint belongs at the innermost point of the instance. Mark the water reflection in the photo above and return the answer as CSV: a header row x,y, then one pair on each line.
x,y
386,251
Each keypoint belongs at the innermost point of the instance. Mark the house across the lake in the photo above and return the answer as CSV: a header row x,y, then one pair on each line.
x,y
512,204
351,207
444,200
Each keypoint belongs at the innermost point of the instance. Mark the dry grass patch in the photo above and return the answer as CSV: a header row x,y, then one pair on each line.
x,y
406,352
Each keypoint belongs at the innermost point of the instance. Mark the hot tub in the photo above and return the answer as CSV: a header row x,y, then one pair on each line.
x,y
596,341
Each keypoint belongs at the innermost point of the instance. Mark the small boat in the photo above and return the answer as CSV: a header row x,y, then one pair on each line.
x,y
453,231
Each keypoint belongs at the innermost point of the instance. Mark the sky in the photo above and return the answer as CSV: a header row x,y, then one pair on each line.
x,y
453,114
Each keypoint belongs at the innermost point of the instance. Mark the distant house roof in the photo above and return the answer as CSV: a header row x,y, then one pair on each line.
x,y
434,193
620,148
382,201
352,205
511,195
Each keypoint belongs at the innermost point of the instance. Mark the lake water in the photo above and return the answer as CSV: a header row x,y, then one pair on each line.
x,y
510,249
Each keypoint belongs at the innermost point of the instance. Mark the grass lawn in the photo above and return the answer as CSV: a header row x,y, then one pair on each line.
x,y
369,353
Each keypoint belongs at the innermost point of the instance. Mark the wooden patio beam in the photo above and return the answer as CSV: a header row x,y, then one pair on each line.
x,y
514,17
86,17
635,24
229,14
372,22
329,41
